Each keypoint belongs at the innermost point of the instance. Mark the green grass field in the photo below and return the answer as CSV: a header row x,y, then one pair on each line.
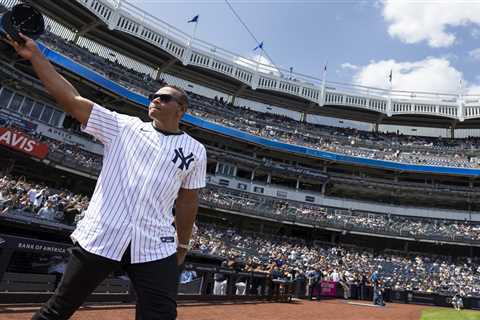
x,y
449,314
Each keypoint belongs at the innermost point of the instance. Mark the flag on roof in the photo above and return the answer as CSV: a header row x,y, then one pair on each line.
x,y
194,19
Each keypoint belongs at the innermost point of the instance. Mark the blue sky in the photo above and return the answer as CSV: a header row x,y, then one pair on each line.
x,y
430,45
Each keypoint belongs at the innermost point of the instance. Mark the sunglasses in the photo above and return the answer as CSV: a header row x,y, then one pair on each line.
x,y
165,98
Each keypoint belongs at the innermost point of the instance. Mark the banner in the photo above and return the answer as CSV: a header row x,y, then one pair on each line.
x,y
35,245
22,142
329,288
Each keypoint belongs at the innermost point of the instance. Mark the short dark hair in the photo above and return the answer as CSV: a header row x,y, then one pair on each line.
x,y
183,95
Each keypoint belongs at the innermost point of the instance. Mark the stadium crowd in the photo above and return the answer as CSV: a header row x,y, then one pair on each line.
x,y
41,201
368,222
292,258
384,146
73,154
285,258
19,194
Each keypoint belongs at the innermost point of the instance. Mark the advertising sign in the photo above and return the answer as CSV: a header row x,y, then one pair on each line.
x,y
22,142
329,288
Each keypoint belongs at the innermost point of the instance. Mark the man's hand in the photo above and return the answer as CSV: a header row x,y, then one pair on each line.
x,y
181,254
27,50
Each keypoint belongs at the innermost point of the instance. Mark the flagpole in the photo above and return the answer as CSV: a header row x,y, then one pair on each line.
x,y
259,58
187,53
194,32
389,101
324,77
324,83
461,102
391,80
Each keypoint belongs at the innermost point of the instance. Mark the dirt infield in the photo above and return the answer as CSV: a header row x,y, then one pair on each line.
x,y
299,310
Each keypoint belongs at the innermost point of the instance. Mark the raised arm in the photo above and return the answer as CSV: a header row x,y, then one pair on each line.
x,y
62,90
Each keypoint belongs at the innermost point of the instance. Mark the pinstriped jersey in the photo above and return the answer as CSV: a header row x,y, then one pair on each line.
x,y
143,170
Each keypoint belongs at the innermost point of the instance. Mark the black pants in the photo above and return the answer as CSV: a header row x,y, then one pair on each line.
x,y
155,285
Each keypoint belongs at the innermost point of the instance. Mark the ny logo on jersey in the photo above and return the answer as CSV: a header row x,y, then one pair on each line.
x,y
184,161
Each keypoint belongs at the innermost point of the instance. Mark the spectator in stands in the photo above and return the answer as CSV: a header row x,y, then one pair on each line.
x,y
32,193
11,202
335,276
48,211
71,210
40,197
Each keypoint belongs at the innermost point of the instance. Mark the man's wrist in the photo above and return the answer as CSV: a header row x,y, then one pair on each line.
x,y
37,55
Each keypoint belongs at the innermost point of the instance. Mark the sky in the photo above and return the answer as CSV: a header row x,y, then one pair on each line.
x,y
431,46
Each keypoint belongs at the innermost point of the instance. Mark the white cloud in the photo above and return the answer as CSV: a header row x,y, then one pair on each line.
x,y
349,66
472,90
475,54
428,75
416,21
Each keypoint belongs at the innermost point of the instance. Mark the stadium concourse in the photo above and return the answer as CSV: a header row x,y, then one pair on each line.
x,y
272,213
